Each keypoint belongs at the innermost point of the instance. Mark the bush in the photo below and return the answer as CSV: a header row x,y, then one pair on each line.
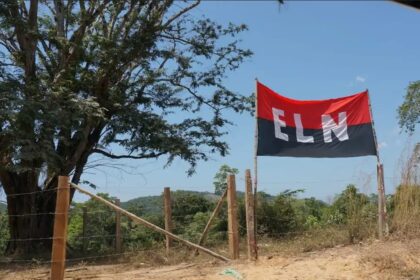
x,y
100,230
278,216
357,212
139,237
4,232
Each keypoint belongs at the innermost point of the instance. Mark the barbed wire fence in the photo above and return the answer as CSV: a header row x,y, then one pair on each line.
x,y
101,245
107,241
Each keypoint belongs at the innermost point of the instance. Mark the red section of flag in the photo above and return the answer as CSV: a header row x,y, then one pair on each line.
x,y
356,107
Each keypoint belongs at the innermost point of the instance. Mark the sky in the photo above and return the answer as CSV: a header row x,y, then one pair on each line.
x,y
303,50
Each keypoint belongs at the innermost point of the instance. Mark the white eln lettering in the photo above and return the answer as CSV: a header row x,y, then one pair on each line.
x,y
299,131
340,130
278,124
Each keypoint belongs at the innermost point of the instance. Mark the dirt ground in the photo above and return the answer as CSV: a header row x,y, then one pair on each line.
x,y
377,260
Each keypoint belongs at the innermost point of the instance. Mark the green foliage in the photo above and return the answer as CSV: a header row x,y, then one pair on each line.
x,y
312,222
220,179
148,204
145,78
139,237
100,230
310,212
287,215
281,216
185,206
409,111
278,216
4,232
3,207
356,211
86,79
100,226
194,229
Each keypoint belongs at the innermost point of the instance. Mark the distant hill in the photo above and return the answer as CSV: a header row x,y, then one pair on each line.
x,y
150,204
154,204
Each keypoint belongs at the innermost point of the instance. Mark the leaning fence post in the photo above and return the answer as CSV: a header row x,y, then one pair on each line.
x,y
213,215
168,216
232,218
58,257
117,228
250,212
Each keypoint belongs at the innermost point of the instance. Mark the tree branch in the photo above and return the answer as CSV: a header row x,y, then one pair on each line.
x,y
78,36
180,13
107,154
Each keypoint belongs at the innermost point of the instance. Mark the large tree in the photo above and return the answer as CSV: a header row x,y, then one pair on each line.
x,y
85,77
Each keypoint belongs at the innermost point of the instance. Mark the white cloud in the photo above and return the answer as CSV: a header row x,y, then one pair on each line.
x,y
382,145
360,79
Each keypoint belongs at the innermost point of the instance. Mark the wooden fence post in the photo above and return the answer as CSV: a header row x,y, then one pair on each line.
x,y
117,228
58,257
249,208
168,216
85,222
232,218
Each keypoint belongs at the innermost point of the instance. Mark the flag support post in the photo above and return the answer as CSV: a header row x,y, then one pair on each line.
x,y
382,219
256,168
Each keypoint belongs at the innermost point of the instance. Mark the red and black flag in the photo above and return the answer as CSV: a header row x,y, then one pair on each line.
x,y
340,127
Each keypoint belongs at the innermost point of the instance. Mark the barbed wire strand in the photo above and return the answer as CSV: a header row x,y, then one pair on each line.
x,y
29,193
77,259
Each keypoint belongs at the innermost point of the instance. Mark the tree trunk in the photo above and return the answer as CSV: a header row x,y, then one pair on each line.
x,y
31,218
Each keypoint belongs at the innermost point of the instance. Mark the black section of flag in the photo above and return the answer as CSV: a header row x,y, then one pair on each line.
x,y
360,142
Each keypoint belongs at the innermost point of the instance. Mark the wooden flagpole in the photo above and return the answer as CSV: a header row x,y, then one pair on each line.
x,y
382,222
256,168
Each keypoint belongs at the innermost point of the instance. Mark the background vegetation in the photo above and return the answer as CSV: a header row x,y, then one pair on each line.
x,y
305,223
282,216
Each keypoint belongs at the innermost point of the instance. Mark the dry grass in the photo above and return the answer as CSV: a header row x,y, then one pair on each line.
x,y
399,259
313,240
406,216
392,259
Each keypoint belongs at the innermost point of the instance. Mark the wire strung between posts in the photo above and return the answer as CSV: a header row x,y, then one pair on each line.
x,y
76,237
136,253
127,237
77,259
28,193
33,214
75,212
38,238
58,213
79,213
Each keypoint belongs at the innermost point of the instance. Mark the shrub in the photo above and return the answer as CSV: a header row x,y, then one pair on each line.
x,y
4,232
